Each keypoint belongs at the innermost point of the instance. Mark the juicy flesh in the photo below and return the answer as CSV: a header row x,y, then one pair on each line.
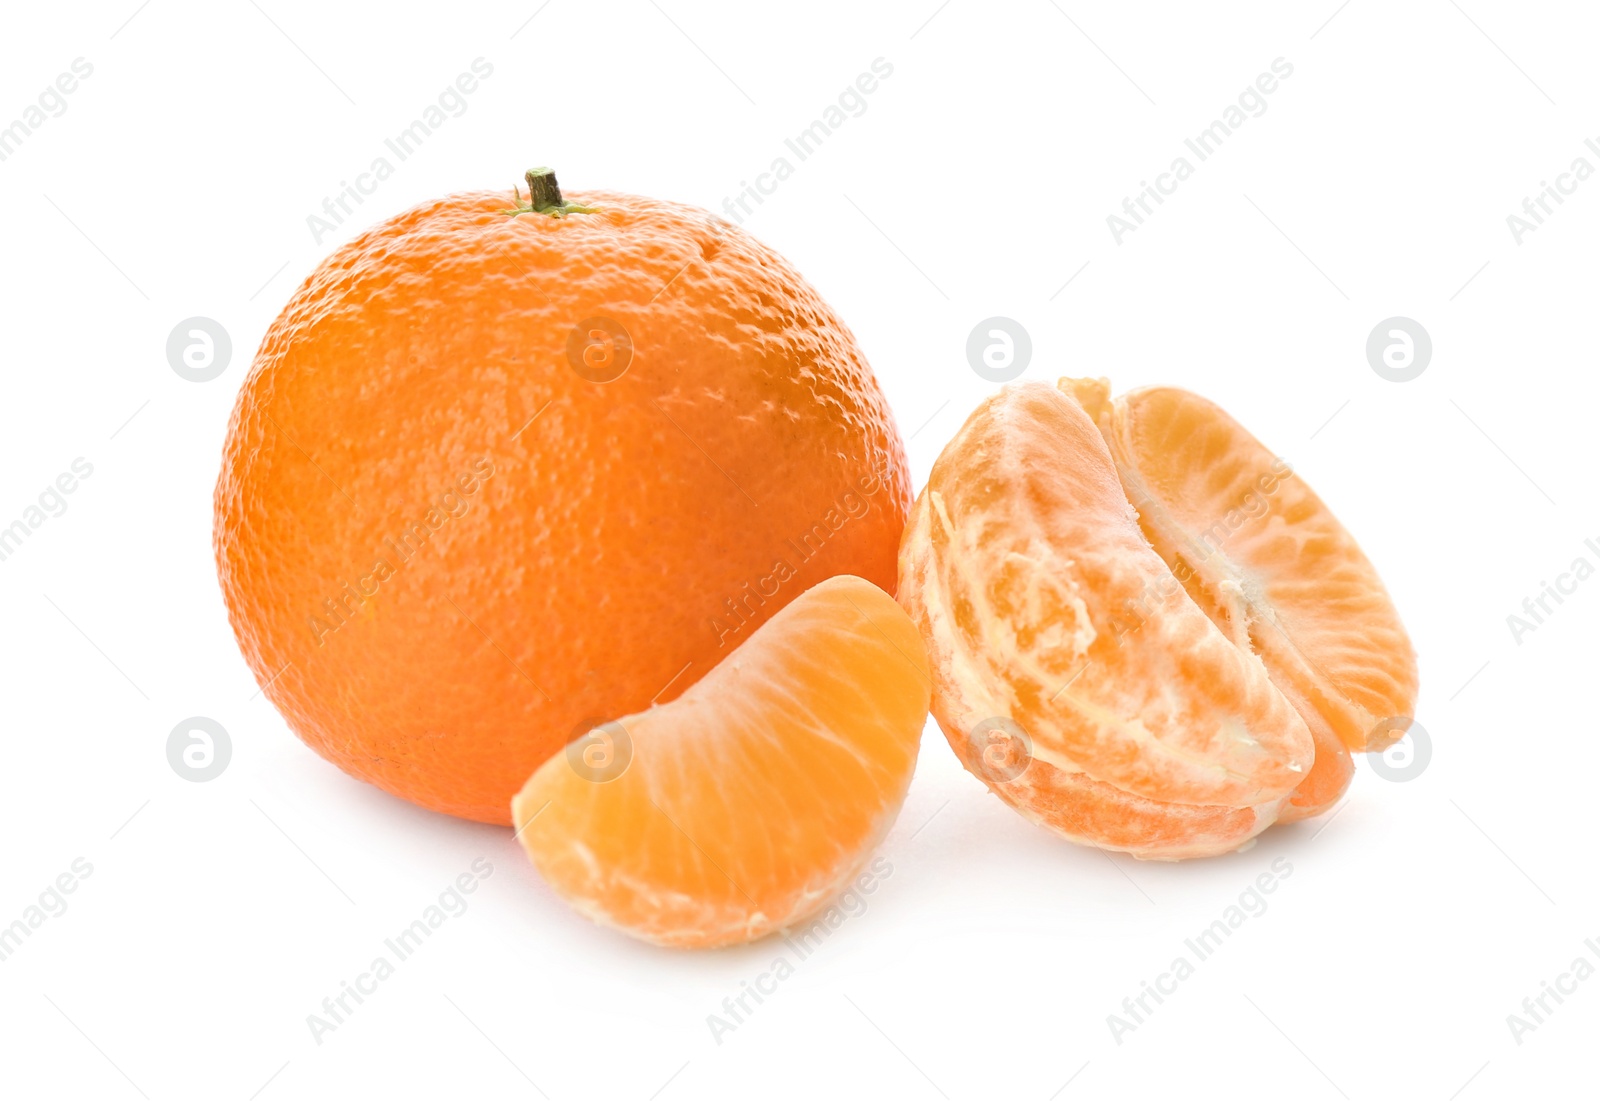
x,y
1188,636
754,797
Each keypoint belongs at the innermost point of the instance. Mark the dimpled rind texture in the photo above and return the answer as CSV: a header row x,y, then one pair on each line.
x,y
445,554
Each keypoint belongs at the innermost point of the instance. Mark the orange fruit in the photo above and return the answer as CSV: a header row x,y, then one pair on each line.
x,y
1147,633
745,805
497,472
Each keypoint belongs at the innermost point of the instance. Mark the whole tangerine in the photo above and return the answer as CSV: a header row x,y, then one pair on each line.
x,y
503,469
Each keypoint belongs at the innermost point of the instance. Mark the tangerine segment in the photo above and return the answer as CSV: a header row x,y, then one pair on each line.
x,y
1096,813
1262,553
1330,775
1041,600
753,798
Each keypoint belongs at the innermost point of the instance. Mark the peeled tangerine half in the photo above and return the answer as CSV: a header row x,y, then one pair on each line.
x,y
746,804
1146,632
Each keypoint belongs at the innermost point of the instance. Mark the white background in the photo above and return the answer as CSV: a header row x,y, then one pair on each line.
x,y
219,915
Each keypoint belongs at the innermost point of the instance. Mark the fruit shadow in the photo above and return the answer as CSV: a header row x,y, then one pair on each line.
x,y
965,835
541,924
977,837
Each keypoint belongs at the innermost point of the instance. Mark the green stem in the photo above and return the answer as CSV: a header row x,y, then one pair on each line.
x,y
544,197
